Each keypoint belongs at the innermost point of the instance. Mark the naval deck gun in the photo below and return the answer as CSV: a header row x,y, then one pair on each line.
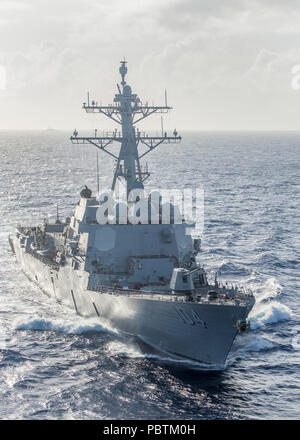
x,y
140,275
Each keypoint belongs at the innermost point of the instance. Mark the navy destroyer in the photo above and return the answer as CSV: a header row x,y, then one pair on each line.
x,y
139,272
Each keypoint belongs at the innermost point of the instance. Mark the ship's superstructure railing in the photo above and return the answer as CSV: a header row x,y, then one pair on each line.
x,y
239,290
27,230
169,297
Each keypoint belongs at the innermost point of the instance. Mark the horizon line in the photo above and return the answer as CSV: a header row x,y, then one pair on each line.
x,y
194,130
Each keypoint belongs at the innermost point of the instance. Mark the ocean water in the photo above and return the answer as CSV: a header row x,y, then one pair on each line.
x,y
57,365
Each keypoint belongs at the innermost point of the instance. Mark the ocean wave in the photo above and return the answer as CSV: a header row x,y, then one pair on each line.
x,y
271,261
269,313
274,237
260,344
117,348
220,251
78,326
246,344
270,289
231,268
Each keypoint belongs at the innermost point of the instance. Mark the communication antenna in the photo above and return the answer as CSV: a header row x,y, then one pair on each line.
x,y
57,215
98,188
127,110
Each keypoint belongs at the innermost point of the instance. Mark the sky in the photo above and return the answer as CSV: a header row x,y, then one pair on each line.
x,y
226,64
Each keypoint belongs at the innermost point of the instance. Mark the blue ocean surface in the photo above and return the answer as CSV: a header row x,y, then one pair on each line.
x,y
55,364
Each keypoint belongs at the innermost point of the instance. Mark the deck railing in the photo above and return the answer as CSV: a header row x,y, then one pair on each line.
x,y
170,297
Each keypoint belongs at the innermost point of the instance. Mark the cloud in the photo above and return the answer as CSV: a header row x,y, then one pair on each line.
x,y
13,6
210,55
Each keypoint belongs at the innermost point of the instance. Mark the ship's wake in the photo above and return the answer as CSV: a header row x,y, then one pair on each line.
x,y
121,349
78,326
243,347
267,310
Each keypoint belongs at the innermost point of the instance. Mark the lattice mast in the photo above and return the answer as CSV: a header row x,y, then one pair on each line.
x,y
127,111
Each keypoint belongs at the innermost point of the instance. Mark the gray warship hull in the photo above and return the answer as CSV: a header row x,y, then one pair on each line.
x,y
128,255
202,332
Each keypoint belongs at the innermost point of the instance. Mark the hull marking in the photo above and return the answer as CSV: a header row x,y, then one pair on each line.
x,y
96,310
191,318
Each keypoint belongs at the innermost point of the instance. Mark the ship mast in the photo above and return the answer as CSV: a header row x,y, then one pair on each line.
x,y
126,111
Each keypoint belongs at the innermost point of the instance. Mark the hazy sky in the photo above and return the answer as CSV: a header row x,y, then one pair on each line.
x,y
225,63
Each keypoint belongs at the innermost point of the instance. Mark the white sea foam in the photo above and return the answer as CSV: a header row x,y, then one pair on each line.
x,y
126,350
269,313
119,348
270,289
248,343
69,326
260,344
267,309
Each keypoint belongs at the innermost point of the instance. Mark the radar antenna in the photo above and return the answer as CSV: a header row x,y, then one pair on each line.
x,y
127,111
